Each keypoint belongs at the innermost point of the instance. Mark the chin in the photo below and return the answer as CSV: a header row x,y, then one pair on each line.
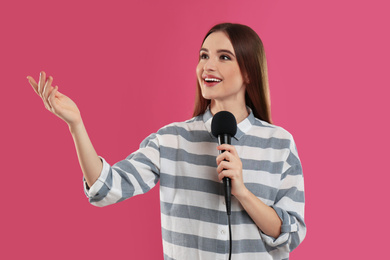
x,y
207,96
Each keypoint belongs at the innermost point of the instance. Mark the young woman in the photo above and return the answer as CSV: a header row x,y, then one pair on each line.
x,y
262,161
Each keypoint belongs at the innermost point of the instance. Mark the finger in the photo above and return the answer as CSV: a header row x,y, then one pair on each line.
x,y
44,92
51,97
226,173
224,147
41,83
225,156
47,87
224,165
227,147
33,84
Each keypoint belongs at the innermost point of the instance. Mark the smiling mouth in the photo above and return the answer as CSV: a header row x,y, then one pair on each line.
x,y
212,80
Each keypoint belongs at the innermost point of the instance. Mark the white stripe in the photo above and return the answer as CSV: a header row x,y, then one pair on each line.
x,y
172,141
179,252
261,177
289,205
267,132
207,229
292,181
190,170
257,153
192,198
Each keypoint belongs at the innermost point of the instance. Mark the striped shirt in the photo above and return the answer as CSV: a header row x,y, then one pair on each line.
x,y
182,156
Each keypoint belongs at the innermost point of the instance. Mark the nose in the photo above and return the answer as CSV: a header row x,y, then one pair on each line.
x,y
209,65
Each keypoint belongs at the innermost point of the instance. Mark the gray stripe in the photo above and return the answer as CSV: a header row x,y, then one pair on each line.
x,y
178,155
264,143
294,170
167,257
288,219
152,145
193,136
191,183
262,191
292,159
195,119
213,187
283,215
196,136
213,245
262,165
295,241
293,193
125,167
141,158
104,189
203,214
147,140
257,122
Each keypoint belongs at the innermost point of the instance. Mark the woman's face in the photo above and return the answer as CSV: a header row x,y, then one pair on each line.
x,y
218,73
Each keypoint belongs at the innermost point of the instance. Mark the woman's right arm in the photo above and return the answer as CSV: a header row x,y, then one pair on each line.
x,y
63,107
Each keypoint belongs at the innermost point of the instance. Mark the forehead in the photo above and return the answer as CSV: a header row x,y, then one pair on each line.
x,y
217,41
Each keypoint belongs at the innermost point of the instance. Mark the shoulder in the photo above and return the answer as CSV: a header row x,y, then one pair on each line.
x,y
267,130
193,124
275,137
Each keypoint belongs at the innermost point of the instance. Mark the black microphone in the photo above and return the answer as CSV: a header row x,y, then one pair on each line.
x,y
224,126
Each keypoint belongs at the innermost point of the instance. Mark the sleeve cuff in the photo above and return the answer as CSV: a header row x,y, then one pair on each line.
x,y
92,191
288,225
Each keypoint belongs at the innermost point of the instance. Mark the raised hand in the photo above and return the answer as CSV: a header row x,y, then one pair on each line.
x,y
54,101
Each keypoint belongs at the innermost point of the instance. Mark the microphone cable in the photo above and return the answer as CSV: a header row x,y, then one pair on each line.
x,y
227,190
230,238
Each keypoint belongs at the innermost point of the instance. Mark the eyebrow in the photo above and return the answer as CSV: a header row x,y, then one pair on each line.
x,y
218,51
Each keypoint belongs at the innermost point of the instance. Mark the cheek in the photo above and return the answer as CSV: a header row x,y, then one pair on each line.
x,y
235,76
199,70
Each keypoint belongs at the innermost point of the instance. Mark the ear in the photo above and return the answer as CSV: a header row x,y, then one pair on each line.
x,y
246,79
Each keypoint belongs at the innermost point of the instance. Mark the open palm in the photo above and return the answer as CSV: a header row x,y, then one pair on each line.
x,y
56,102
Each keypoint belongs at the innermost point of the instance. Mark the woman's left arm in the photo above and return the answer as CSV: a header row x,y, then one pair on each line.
x,y
265,217
282,224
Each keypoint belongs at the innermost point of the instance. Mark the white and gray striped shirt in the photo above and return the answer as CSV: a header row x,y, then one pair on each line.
x,y
182,156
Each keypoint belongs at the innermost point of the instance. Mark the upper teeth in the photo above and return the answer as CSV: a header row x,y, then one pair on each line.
x,y
212,79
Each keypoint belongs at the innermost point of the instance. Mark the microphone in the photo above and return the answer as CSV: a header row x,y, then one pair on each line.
x,y
224,126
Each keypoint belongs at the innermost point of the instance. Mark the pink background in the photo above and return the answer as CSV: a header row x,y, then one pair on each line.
x,y
130,67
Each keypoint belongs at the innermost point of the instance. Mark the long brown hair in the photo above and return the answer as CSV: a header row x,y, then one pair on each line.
x,y
252,62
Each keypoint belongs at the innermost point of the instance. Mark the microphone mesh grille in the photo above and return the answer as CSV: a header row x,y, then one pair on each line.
x,y
223,122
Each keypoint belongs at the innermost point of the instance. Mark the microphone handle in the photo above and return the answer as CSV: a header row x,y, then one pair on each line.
x,y
226,139
228,194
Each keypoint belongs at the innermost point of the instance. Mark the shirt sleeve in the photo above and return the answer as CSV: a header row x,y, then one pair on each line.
x,y
289,204
135,175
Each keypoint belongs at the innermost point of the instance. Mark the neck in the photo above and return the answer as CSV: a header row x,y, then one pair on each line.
x,y
238,110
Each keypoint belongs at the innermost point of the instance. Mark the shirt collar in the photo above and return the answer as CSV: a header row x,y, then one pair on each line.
x,y
242,128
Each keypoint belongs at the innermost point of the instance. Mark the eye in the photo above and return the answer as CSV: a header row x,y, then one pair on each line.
x,y
203,56
224,57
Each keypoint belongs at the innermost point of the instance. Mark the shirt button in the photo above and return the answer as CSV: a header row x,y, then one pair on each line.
x,y
223,202
223,232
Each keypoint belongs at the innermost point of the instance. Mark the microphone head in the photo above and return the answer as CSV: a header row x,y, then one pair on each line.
x,y
222,123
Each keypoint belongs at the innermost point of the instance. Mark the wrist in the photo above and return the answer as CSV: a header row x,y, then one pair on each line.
x,y
75,127
243,194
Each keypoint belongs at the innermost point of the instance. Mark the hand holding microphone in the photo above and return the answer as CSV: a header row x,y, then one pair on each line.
x,y
230,165
229,168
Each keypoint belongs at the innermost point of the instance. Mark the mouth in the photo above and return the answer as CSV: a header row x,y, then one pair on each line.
x,y
211,81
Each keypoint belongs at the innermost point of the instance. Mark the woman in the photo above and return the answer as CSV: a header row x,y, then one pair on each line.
x,y
262,161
